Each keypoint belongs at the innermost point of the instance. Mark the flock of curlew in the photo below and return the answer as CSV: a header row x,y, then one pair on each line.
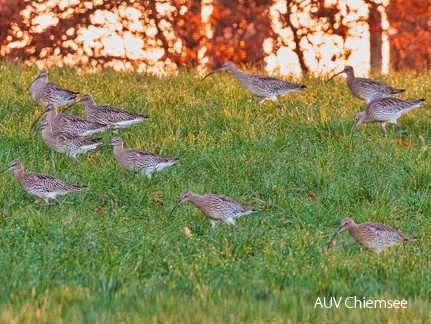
x,y
68,134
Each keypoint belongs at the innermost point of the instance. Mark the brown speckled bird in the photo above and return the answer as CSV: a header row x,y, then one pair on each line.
x,y
70,123
41,185
109,115
260,85
366,89
386,110
374,236
67,143
139,160
43,92
216,207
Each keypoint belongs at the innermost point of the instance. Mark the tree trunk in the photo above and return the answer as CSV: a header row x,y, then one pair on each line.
x,y
376,41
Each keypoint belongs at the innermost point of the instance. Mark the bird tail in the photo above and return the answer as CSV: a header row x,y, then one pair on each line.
x,y
79,188
410,238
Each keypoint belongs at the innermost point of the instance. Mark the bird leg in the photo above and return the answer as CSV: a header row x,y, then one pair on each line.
x,y
383,127
261,102
277,103
398,126
214,223
47,203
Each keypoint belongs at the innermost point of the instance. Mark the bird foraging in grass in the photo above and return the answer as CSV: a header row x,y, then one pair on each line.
x,y
108,115
43,92
141,161
374,236
218,208
41,185
366,89
386,110
260,85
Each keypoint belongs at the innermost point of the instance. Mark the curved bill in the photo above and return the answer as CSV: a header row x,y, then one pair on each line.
x,y
70,106
37,119
31,83
173,209
212,72
5,169
333,76
332,239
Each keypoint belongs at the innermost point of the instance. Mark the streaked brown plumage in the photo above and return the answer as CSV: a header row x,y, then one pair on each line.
x,y
41,185
70,123
43,92
374,236
139,160
366,89
386,110
216,207
260,85
109,115
67,143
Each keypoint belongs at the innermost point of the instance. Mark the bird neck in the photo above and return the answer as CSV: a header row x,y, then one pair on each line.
x,y
51,114
354,231
38,84
118,148
18,173
237,72
47,134
350,77
89,105
196,200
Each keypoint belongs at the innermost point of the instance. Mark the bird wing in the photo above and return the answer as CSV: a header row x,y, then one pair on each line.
x,y
37,177
72,118
81,140
153,157
382,230
78,122
52,87
390,106
227,201
277,83
114,114
64,136
376,85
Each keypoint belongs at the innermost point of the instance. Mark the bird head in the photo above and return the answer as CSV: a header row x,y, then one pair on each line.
x,y
346,223
348,70
228,66
14,165
41,75
48,108
116,142
360,118
84,100
184,196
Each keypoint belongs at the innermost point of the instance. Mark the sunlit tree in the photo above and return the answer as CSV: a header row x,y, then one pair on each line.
x,y
410,34
315,36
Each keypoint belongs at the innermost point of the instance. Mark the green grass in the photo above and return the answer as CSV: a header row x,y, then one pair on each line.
x,y
112,255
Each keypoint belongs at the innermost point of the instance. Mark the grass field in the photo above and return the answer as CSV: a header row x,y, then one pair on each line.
x,y
112,254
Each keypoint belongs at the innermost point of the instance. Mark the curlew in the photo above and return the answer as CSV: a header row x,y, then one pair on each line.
x,y
260,85
67,143
374,236
109,115
366,89
43,92
386,110
41,185
139,160
216,207
70,123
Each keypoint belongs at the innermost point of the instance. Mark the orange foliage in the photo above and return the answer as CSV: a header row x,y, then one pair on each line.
x,y
410,22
